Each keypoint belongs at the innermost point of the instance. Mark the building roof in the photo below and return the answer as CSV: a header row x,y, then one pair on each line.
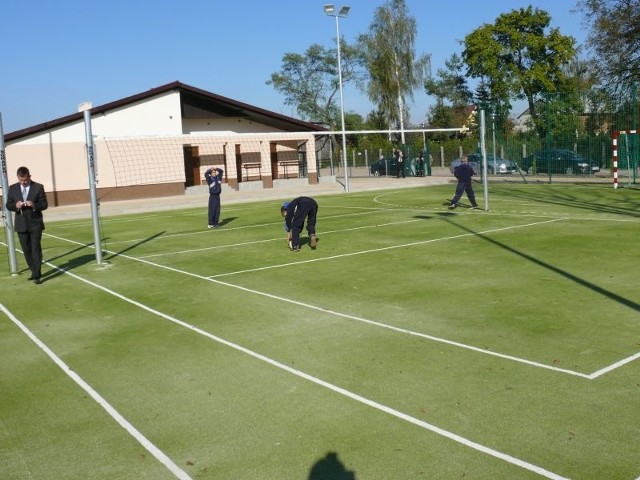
x,y
195,103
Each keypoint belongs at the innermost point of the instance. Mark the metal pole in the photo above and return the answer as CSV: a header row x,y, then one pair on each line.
x,y
331,155
483,148
344,137
92,186
6,214
493,128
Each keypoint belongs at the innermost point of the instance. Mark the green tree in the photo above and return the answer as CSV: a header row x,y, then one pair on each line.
x,y
310,81
440,116
450,84
614,39
519,56
395,70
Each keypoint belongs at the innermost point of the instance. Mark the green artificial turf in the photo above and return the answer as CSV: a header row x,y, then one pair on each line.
x,y
415,342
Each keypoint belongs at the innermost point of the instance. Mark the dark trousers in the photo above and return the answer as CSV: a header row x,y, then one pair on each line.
x,y
307,210
464,187
32,249
214,209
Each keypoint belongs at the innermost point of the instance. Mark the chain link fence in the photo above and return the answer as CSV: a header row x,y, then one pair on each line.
x,y
565,136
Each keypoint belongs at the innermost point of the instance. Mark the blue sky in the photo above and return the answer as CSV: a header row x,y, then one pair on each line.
x,y
57,55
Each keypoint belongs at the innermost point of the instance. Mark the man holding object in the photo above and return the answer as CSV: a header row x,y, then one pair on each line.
x,y
28,199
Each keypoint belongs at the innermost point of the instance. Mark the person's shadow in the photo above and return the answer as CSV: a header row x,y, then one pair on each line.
x,y
330,468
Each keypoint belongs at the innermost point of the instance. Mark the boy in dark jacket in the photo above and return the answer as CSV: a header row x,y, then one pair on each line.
x,y
295,212
463,173
215,188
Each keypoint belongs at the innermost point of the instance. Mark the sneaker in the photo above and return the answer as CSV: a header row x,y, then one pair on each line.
x,y
313,241
452,206
295,249
475,207
211,226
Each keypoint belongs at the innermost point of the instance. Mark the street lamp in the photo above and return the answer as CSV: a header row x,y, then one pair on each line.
x,y
493,128
344,11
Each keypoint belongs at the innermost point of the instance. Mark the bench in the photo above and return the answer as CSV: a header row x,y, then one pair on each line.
x,y
289,163
252,166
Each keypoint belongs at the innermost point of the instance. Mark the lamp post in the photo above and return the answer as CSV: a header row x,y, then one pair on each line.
x,y
493,128
344,11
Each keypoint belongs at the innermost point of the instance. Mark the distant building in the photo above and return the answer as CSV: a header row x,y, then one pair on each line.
x,y
522,122
160,142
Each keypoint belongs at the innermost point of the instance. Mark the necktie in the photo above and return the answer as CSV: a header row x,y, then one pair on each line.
x,y
24,193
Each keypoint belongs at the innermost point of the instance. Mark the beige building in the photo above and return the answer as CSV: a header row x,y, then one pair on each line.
x,y
160,142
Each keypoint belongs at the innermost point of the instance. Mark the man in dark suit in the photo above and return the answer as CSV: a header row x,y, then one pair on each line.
x,y
28,199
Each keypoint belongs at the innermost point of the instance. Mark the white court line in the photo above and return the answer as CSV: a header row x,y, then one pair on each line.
x,y
391,247
244,227
341,391
279,239
113,413
361,319
614,366
380,324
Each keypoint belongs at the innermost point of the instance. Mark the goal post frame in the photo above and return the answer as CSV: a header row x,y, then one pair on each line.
x,y
616,134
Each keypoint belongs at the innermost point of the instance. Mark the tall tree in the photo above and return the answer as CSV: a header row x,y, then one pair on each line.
x,y
450,83
614,39
310,83
395,70
519,56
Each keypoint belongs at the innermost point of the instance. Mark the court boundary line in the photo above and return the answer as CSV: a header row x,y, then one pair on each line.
x,y
335,388
99,399
391,247
524,361
280,239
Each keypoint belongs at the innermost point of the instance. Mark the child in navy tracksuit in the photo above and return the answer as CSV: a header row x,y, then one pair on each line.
x,y
295,212
215,188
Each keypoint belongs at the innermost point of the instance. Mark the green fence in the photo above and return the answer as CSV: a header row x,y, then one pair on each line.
x,y
561,128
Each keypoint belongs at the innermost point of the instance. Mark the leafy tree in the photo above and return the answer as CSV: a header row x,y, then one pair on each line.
x,y
519,56
395,70
310,81
450,84
353,122
614,39
482,95
440,116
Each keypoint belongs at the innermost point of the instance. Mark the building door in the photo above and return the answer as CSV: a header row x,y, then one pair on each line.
x,y
274,160
238,163
191,166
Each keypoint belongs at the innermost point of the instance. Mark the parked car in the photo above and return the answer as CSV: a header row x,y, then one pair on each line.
x,y
388,166
558,161
474,160
500,166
